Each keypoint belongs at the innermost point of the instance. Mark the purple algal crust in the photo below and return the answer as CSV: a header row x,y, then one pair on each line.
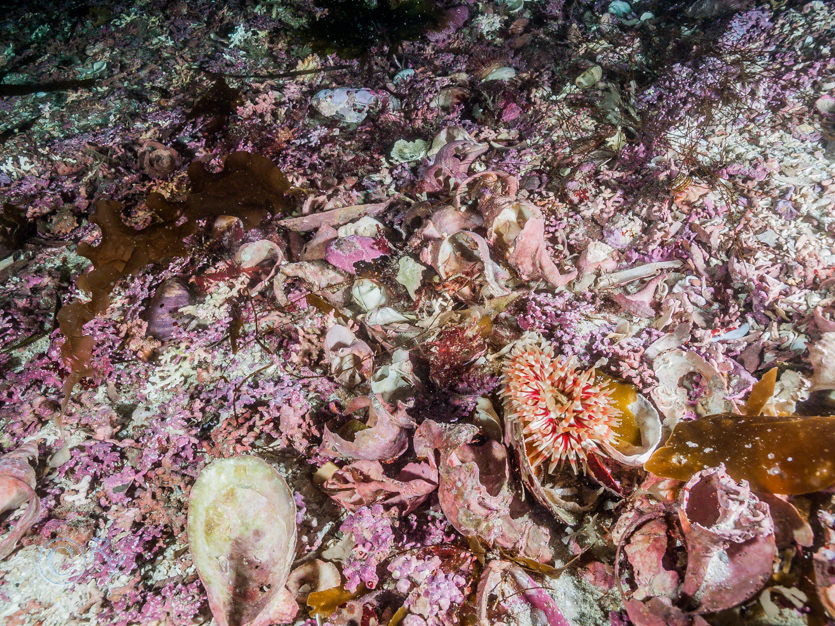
x,y
346,252
373,537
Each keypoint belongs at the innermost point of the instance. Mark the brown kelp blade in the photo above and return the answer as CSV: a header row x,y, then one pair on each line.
x,y
789,455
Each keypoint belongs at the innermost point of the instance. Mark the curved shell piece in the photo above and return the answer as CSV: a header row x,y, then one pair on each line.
x,y
730,540
255,252
242,538
17,487
475,491
648,424
822,358
671,398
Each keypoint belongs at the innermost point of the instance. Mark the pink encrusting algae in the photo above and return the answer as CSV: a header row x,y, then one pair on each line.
x,y
565,413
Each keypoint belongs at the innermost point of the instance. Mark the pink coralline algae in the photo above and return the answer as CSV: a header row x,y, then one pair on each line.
x,y
432,594
363,483
373,539
346,252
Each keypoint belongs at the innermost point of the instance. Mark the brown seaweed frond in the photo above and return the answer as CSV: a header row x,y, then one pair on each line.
x,y
249,187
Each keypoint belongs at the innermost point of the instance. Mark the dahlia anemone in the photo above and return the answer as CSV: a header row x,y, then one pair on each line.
x,y
563,413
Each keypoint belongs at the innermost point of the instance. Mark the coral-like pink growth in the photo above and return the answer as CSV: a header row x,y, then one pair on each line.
x,y
564,413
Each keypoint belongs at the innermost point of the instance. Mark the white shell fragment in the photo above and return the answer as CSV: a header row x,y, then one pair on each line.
x,y
589,78
822,358
671,397
347,104
367,294
242,538
409,274
649,425
407,151
500,73
251,254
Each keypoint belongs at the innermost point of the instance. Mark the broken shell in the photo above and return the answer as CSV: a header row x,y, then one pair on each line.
x,y
825,105
475,491
383,438
671,398
500,73
344,103
407,151
409,274
822,358
242,538
730,540
487,418
388,380
253,253
17,487
315,575
385,315
505,220
345,252
367,294
449,97
365,226
824,561
228,230
788,391
589,78
351,359
448,135
639,428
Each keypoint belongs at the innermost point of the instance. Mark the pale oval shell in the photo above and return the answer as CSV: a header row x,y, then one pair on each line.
x,y
242,537
172,295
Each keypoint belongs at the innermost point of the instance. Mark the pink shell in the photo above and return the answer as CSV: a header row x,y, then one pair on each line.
x,y
170,297
17,486
345,252
724,522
